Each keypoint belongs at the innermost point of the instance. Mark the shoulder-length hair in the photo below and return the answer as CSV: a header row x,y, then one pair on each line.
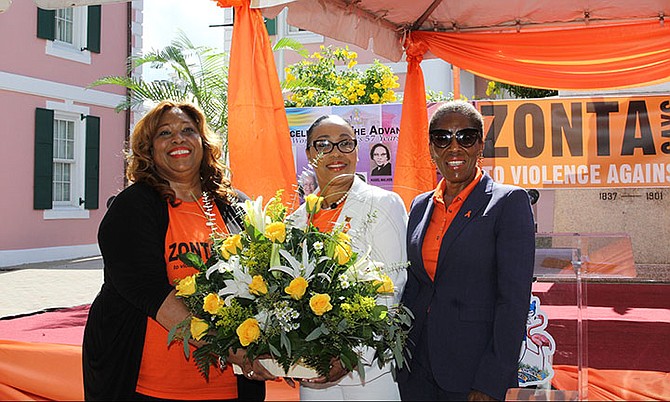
x,y
141,166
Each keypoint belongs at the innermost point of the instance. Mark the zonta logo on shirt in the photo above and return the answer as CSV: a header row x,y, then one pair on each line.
x,y
200,248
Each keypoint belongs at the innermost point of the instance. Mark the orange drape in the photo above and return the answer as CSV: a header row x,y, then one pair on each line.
x,y
47,371
414,172
583,57
40,371
616,385
258,135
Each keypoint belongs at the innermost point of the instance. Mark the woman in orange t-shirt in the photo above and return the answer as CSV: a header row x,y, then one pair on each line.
x,y
179,197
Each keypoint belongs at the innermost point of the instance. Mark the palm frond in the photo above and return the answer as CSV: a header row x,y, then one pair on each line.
x,y
291,44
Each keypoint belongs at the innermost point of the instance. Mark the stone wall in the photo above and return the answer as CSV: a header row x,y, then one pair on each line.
x,y
644,214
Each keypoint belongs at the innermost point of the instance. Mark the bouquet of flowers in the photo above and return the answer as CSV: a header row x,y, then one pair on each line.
x,y
298,295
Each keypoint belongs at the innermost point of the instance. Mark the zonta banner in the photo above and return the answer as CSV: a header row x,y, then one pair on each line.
x,y
578,142
532,143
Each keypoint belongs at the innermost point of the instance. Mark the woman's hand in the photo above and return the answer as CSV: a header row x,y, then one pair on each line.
x,y
251,369
337,371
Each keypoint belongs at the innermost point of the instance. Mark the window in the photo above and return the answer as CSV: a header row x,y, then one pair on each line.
x,y
66,161
280,27
65,25
71,33
294,30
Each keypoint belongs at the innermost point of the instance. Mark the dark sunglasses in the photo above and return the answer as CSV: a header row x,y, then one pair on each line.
x,y
466,137
325,147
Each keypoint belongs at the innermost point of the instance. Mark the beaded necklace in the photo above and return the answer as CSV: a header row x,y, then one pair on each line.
x,y
338,202
208,210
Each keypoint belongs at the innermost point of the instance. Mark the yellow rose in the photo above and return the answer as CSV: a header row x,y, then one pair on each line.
x,y
212,303
343,237
313,203
342,250
342,253
258,286
296,289
186,286
248,331
198,328
231,246
320,303
276,232
385,285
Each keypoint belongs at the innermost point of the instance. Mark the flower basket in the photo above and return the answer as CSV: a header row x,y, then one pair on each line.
x,y
296,371
298,295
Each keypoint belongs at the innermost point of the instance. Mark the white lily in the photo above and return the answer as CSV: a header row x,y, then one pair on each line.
x,y
364,269
223,266
239,285
256,213
297,268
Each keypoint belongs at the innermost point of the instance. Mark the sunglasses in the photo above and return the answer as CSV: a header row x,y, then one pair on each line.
x,y
465,137
325,147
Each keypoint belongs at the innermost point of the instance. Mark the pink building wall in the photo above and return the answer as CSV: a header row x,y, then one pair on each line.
x,y
29,78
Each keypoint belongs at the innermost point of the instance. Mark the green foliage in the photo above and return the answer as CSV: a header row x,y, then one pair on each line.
x,y
438,96
313,305
328,77
198,74
495,88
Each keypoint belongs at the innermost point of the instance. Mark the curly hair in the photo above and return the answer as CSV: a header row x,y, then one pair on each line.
x,y
141,166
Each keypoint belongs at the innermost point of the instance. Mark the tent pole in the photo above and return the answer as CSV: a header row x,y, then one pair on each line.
x,y
456,74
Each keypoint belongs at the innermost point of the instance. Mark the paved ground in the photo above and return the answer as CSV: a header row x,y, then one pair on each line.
x,y
29,288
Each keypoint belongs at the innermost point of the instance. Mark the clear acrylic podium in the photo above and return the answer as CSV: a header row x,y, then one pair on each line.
x,y
572,260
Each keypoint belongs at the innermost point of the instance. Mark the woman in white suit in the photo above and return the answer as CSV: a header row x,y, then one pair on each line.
x,y
377,219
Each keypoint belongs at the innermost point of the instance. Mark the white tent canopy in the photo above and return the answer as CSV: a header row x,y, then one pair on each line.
x,y
386,22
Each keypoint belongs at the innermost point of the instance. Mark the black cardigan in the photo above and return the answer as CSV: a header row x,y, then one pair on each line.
x,y
132,242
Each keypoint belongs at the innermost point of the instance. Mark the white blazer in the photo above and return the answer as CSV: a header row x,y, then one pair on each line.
x,y
378,219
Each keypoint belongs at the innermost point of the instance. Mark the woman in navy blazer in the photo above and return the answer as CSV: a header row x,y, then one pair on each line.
x,y
471,248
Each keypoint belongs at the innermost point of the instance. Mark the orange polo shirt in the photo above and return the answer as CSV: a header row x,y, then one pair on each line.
x,y
164,371
440,220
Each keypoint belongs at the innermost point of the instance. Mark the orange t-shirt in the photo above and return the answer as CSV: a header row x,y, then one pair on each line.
x,y
440,220
164,371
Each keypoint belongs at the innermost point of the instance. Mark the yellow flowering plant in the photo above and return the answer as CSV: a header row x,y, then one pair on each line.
x,y
330,77
298,295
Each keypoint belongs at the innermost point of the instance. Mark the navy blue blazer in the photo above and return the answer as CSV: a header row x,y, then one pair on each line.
x,y
475,310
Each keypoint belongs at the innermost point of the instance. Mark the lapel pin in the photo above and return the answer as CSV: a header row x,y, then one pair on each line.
x,y
467,214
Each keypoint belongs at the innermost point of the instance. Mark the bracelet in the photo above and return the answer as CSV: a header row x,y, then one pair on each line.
x,y
221,363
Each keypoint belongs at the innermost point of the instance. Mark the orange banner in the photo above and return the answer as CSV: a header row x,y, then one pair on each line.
x,y
578,142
